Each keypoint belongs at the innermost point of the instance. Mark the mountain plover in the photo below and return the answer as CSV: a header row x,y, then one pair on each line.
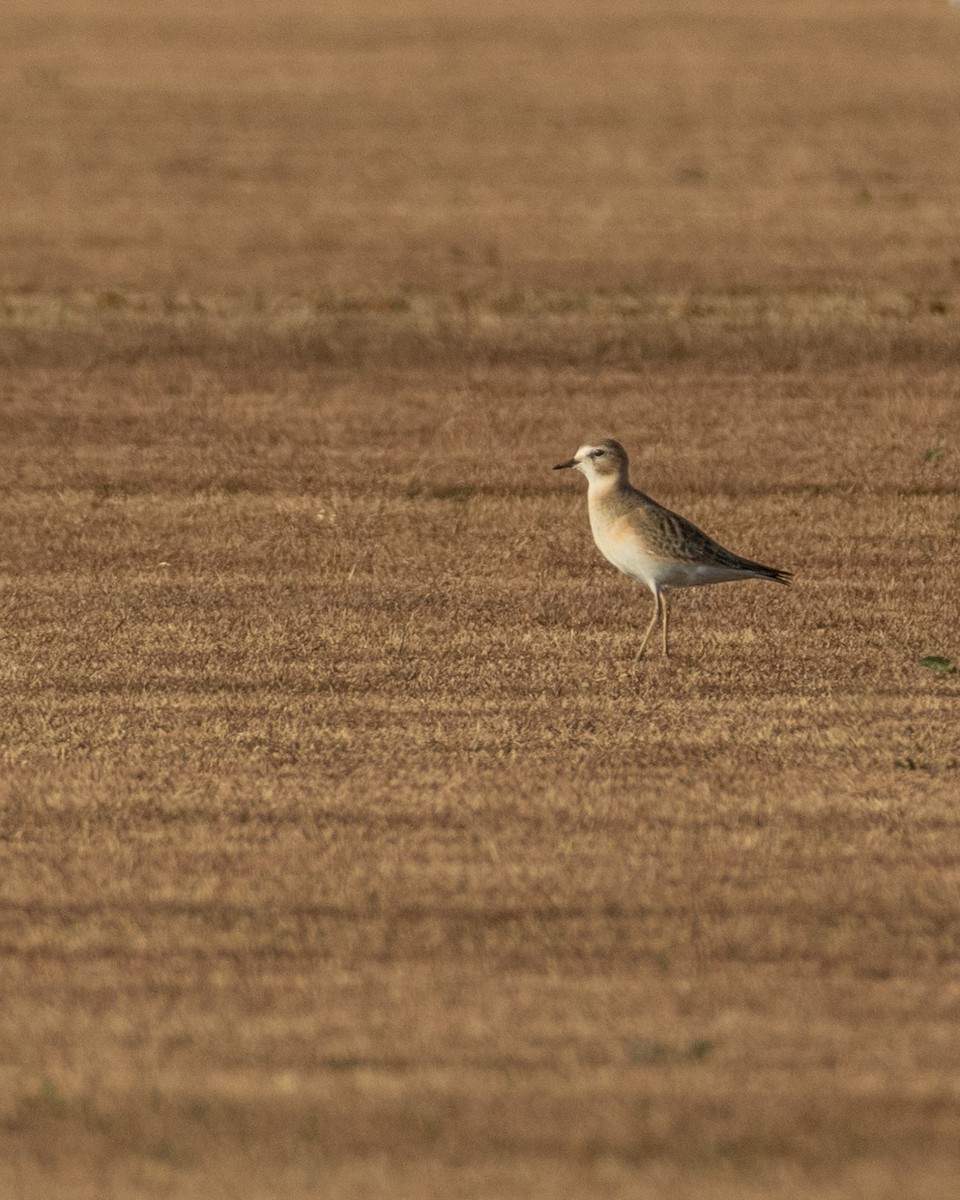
x,y
649,542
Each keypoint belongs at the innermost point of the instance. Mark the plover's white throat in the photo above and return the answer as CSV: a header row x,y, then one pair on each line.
x,y
649,542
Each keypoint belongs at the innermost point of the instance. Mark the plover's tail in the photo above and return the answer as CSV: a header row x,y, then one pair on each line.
x,y
762,572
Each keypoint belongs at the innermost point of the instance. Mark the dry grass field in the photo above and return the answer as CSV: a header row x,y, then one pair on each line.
x,y
344,851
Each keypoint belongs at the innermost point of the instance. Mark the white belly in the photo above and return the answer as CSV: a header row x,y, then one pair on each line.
x,y
658,573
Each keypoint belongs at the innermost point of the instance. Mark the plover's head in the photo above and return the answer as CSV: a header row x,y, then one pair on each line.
x,y
599,460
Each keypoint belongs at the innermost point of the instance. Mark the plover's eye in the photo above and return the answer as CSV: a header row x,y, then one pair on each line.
x,y
598,453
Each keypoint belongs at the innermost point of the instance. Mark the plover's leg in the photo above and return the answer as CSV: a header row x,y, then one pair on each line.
x,y
653,621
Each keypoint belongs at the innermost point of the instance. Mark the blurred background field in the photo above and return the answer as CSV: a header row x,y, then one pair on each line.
x,y
343,850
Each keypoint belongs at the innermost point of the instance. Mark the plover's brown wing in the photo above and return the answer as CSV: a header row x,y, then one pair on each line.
x,y
669,535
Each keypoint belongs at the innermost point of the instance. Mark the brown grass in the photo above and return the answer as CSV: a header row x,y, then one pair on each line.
x,y
343,851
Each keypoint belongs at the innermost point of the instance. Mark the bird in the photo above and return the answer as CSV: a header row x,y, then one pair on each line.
x,y
648,542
